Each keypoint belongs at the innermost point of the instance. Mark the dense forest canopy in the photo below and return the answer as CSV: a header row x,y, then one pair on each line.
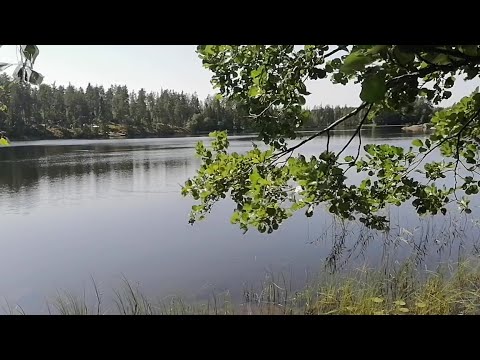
x,y
56,111
90,111
268,186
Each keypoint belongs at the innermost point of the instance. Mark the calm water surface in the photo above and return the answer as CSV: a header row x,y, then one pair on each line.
x,y
106,208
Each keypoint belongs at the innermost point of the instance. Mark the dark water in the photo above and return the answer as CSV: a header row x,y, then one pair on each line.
x,y
76,208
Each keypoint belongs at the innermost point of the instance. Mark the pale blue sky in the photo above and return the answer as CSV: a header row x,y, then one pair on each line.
x,y
154,67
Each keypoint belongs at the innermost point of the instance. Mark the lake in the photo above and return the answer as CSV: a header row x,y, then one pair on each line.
x,y
72,209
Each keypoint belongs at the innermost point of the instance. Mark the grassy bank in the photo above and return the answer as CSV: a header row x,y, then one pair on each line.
x,y
450,289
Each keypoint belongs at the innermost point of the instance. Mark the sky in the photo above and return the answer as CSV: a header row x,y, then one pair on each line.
x,y
156,67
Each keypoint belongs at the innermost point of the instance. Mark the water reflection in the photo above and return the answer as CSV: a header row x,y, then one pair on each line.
x,y
428,241
71,209
31,174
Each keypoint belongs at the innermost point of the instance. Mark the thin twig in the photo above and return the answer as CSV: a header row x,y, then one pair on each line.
x,y
431,69
334,51
357,130
358,151
457,154
444,140
328,140
328,128
254,116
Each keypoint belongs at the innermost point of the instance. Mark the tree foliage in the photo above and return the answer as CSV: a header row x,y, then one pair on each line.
x,y
34,112
268,186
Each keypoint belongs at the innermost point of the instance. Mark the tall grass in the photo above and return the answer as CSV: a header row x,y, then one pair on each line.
x,y
449,289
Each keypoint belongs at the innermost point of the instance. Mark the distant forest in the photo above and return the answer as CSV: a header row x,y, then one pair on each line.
x,y
50,111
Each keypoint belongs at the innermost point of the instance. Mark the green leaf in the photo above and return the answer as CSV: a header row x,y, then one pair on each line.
x,y
370,148
321,73
373,89
449,82
30,51
471,50
235,217
208,49
417,142
257,72
4,142
254,91
376,49
403,58
355,61
271,211
254,177
442,59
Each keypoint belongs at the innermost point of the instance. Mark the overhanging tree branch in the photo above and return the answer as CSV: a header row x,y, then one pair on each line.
x,y
334,51
456,135
431,69
357,130
391,77
450,52
328,128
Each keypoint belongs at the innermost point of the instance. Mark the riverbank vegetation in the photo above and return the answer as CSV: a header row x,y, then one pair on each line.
x,y
450,289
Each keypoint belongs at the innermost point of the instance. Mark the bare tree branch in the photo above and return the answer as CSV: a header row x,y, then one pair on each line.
x,y
334,51
328,140
254,116
359,127
328,128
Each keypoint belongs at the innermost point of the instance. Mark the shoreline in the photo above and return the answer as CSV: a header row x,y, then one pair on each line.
x,y
178,134
403,290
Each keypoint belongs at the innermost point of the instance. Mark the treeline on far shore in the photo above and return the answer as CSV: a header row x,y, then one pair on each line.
x,y
53,112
